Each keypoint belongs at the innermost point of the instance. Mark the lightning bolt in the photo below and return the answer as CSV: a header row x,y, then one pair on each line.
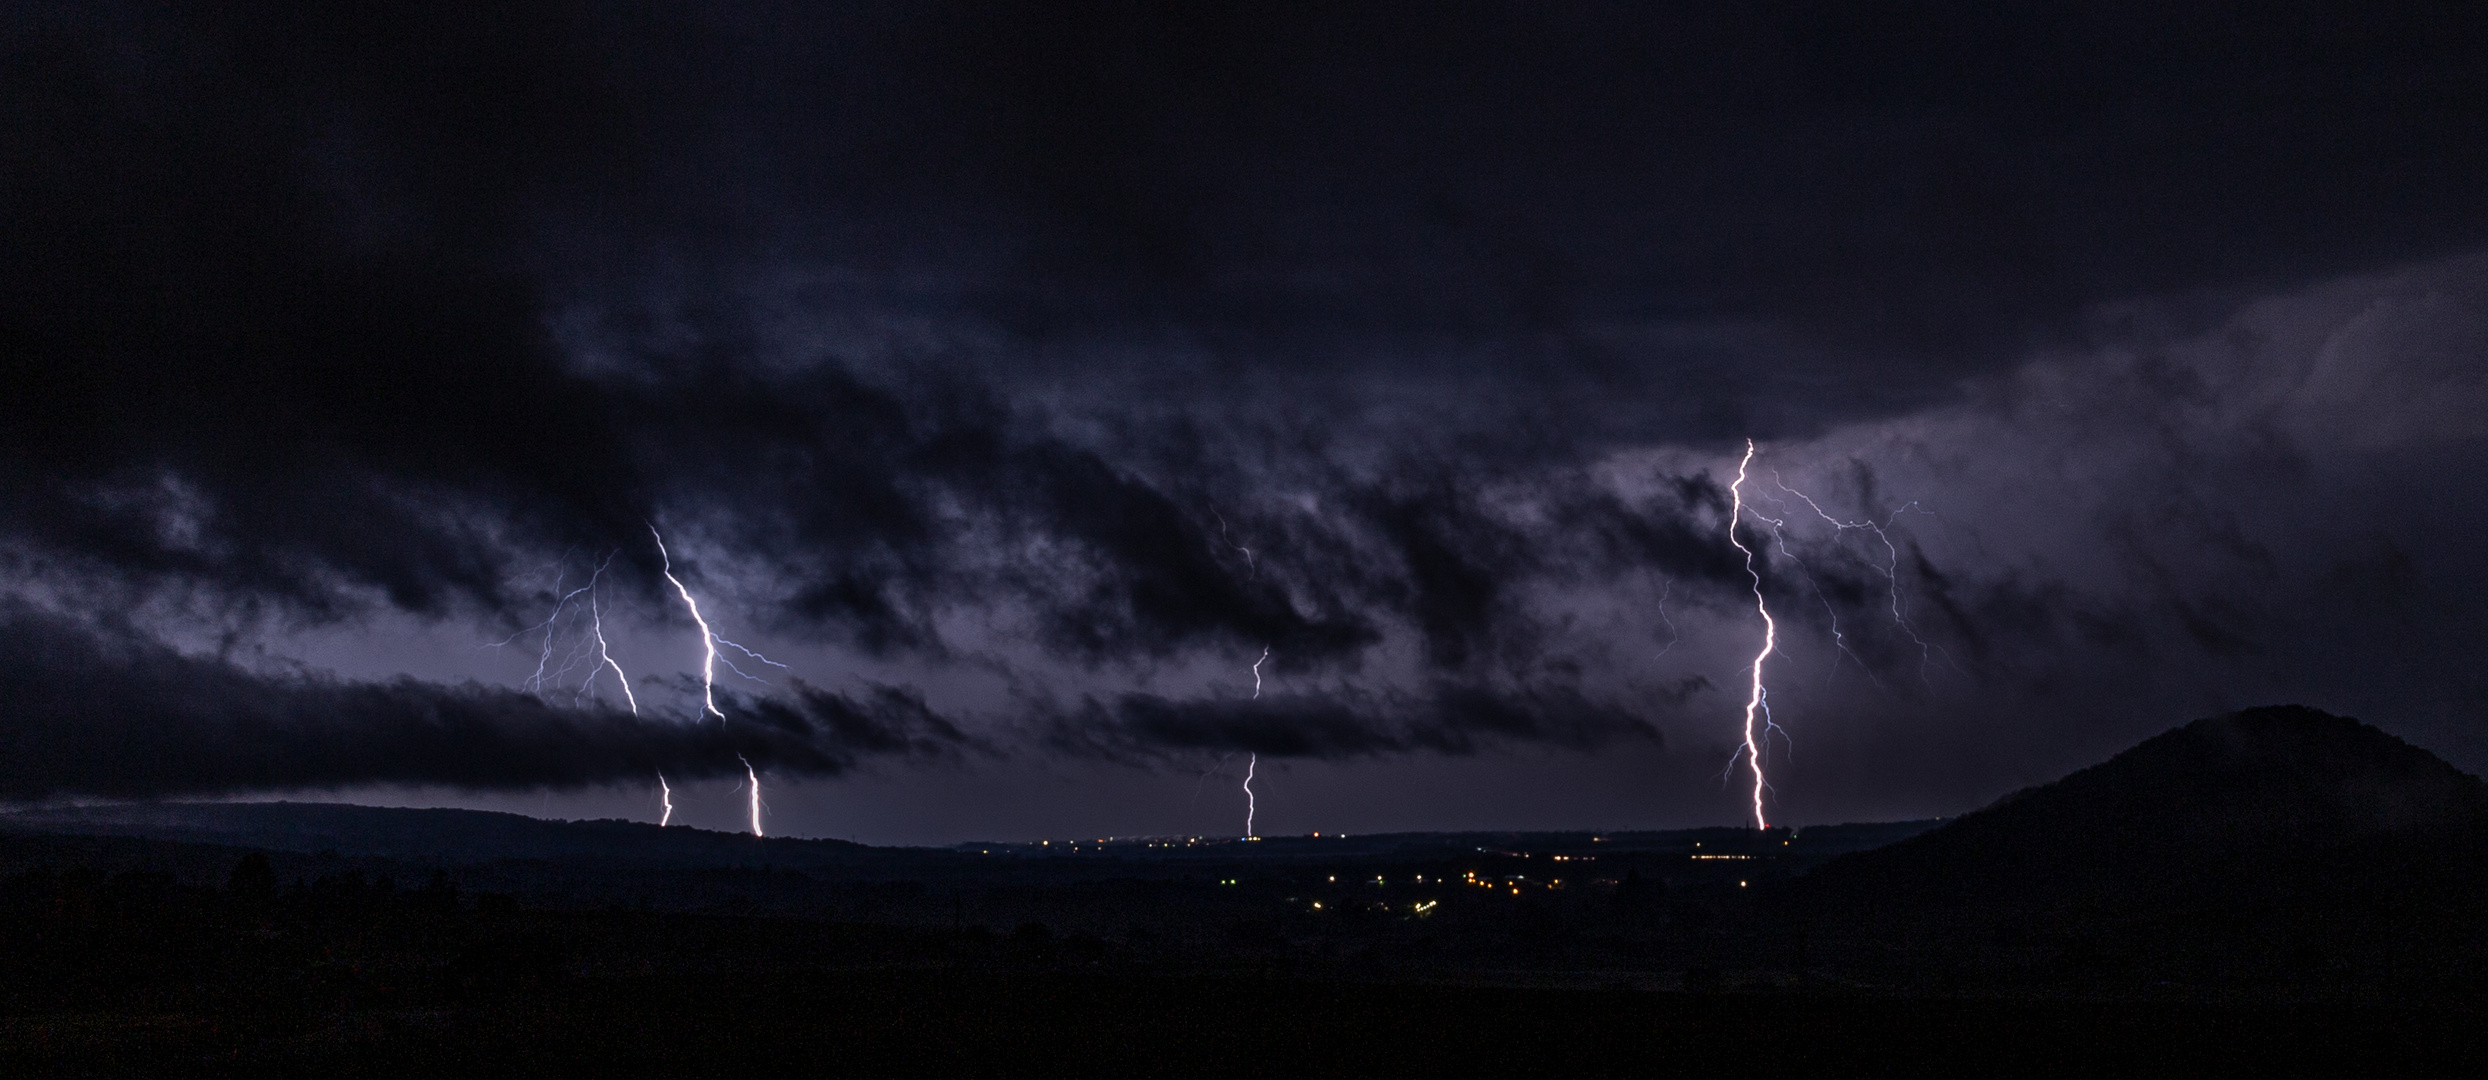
x,y
544,656
546,673
1839,639
747,652
1253,760
754,777
708,643
1891,565
1758,700
596,622
665,794
1666,586
1249,565
1251,806
708,665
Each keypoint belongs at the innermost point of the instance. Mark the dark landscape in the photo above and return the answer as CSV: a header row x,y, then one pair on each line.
x,y
958,538
2262,892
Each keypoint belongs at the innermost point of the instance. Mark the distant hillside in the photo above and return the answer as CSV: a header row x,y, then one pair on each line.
x,y
2279,840
468,836
455,836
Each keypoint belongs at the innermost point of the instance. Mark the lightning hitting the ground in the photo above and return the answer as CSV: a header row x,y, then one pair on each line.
x,y
754,777
1251,806
1757,701
665,794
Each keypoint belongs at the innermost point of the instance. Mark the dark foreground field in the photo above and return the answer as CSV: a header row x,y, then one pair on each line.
x,y
1056,1024
2273,893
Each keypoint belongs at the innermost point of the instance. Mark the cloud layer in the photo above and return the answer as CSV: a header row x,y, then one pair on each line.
x,y
1054,368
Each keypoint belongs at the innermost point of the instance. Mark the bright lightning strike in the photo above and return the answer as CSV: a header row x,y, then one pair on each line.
x,y
754,777
665,794
1250,804
596,621
1839,640
708,666
1757,702
708,642
1265,658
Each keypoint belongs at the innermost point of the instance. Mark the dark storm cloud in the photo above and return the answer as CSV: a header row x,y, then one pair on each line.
x,y
110,714
1058,309
302,258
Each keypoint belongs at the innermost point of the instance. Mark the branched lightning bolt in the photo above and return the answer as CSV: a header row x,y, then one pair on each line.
x,y
546,673
708,665
1757,702
596,621
1251,805
1839,639
1265,658
1891,565
754,777
544,656
747,652
665,794
708,643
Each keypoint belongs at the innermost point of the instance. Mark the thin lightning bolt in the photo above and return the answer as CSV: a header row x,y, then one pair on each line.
x,y
754,777
1203,781
546,673
1249,564
666,794
1891,565
1758,701
544,656
596,616
1666,586
1839,640
748,652
708,642
1251,805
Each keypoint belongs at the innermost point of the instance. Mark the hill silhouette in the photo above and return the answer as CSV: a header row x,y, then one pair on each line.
x,y
2279,844
435,834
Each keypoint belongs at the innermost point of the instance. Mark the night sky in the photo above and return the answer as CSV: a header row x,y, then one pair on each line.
x,y
1014,377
